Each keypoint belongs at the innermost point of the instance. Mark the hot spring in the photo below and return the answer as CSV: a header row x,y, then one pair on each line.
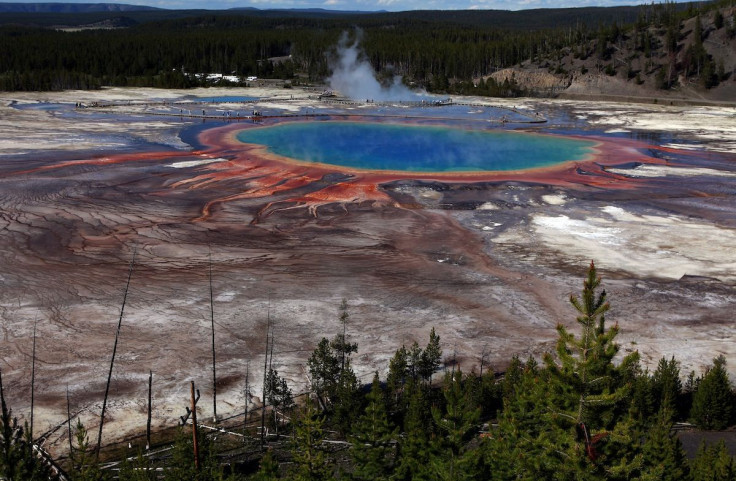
x,y
414,148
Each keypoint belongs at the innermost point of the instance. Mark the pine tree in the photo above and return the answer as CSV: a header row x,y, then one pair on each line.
x,y
181,466
584,392
373,439
570,420
662,455
85,464
414,446
489,395
512,377
395,383
268,469
414,361
516,448
718,20
324,370
431,357
642,398
713,400
712,463
278,395
140,469
346,401
451,460
667,386
343,349
310,461
17,459
688,391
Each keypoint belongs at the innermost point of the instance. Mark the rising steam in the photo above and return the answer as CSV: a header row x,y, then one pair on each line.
x,y
354,77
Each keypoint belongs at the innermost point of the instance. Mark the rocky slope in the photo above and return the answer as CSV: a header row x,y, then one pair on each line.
x,y
637,63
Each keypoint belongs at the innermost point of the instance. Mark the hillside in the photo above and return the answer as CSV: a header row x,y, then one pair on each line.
x,y
692,57
70,7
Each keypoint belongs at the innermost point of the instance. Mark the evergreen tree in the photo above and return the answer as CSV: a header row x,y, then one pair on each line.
x,y
569,420
516,448
713,400
718,20
278,395
310,462
431,357
667,386
140,469
484,392
181,465
709,75
721,74
414,445
268,469
712,463
662,455
346,400
84,461
17,459
512,377
373,439
451,460
342,348
414,362
688,391
324,371
396,381
642,398
584,392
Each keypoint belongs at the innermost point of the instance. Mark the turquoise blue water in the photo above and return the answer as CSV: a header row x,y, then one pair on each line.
x,y
414,148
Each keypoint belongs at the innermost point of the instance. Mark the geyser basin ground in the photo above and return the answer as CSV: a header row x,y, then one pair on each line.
x,y
489,258
414,148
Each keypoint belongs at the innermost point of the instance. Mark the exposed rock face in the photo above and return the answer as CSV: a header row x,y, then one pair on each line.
x,y
593,83
534,79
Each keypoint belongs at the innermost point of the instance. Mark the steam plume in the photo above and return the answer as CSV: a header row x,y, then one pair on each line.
x,y
354,77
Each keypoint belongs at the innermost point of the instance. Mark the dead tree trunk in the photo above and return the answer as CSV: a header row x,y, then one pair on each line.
x,y
33,378
214,371
265,368
247,399
68,421
270,369
148,421
112,359
194,430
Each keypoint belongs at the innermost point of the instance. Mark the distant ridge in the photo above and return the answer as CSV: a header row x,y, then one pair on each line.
x,y
70,7
309,10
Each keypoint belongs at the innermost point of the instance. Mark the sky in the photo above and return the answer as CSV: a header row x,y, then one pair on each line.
x,y
366,5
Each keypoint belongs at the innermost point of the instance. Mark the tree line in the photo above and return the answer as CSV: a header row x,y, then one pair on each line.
x,y
573,414
430,50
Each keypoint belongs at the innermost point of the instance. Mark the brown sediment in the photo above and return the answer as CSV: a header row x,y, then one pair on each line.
x,y
111,159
